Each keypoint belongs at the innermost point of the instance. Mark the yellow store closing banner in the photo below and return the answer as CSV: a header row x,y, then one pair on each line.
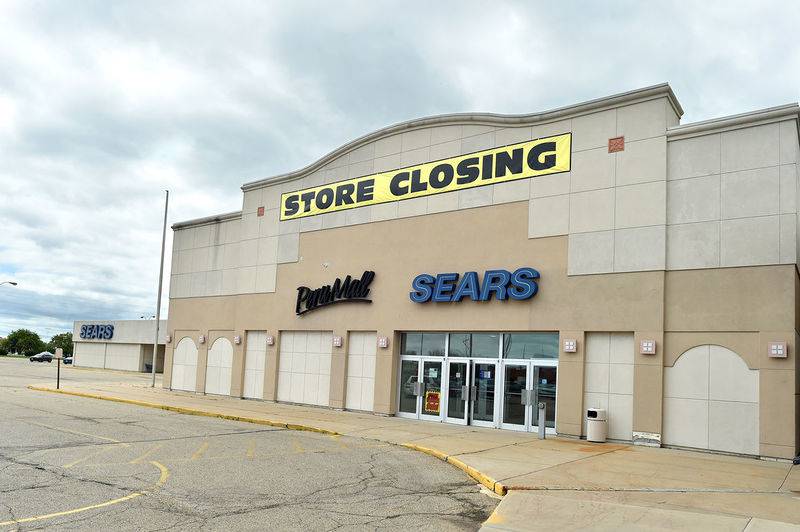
x,y
543,156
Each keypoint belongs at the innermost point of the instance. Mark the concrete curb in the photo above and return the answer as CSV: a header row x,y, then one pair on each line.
x,y
189,411
481,478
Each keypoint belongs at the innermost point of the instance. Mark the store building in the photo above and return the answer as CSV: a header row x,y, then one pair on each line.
x,y
597,255
118,344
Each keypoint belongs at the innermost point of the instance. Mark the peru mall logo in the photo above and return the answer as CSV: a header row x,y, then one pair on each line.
x,y
349,290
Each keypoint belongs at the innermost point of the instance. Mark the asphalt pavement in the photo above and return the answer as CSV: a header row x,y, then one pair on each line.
x,y
71,463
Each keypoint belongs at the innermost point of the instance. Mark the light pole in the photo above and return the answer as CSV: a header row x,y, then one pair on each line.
x,y
158,299
12,283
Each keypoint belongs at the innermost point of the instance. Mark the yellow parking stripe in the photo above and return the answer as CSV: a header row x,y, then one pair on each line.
x,y
62,429
161,480
200,450
145,455
297,447
88,456
338,439
251,450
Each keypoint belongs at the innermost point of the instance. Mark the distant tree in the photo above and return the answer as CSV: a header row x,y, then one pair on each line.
x,y
24,342
63,340
3,349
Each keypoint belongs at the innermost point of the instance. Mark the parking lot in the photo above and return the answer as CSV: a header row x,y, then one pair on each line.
x,y
75,463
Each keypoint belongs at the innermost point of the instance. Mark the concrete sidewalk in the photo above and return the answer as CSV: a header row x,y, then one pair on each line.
x,y
550,483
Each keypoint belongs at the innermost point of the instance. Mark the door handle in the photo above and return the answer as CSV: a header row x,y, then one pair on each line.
x,y
527,397
473,393
464,392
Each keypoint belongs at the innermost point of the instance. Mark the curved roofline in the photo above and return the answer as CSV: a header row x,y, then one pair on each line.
x,y
616,100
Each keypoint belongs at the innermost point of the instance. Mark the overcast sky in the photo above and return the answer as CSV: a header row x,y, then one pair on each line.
x,y
105,104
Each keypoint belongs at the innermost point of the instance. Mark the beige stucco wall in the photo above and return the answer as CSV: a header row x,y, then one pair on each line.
x,y
732,195
743,309
399,250
716,303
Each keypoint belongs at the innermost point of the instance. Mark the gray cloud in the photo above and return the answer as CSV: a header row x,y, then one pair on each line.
x,y
103,105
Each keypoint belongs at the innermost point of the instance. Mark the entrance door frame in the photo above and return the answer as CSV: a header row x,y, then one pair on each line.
x,y
526,423
543,363
531,365
442,387
400,384
468,379
496,403
420,361
499,363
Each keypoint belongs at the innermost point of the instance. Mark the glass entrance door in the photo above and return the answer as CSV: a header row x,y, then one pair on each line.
x,y
431,407
409,388
525,385
515,413
458,391
420,389
484,375
544,391
485,379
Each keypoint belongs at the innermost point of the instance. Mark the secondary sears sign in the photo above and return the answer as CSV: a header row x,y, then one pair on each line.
x,y
549,155
97,332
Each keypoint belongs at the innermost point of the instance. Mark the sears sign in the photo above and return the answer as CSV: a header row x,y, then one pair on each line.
x,y
498,284
97,332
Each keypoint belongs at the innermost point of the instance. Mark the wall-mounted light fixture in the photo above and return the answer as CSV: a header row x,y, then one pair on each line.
x,y
570,346
202,339
647,347
237,339
169,338
383,342
778,350
270,340
337,341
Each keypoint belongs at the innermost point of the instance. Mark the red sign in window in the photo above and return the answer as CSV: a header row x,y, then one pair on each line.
x,y
432,402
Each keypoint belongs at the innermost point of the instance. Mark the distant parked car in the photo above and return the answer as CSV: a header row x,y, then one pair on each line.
x,y
68,359
42,357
